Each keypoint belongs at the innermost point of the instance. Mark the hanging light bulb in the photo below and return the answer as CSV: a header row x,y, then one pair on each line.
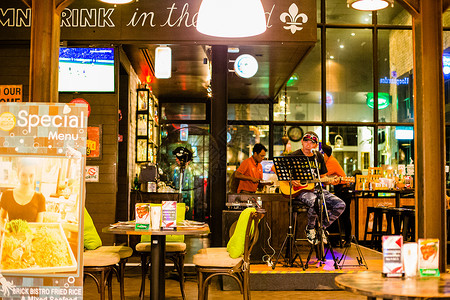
x,y
231,18
370,5
117,1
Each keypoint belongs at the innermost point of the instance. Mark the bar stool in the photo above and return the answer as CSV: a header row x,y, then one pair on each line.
x,y
377,226
409,224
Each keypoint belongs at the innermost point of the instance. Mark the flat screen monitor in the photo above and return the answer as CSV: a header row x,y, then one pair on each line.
x,y
86,70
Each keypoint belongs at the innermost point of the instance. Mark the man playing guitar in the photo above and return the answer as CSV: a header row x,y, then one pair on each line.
x,y
335,206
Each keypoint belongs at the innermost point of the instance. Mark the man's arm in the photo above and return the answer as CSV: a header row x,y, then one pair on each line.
x,y
241,176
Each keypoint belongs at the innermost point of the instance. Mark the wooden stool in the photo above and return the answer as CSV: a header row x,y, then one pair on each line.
x,y
377,225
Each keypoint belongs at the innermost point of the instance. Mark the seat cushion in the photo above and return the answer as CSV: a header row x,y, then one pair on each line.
x,y
92,258
170,247
91,238
213,257
235,246
123,251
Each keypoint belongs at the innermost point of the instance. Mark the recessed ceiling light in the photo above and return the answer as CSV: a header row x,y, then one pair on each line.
x,y
341,46
352,34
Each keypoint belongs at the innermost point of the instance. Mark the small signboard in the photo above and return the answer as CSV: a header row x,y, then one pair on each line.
x,y
42,151
11,93
392,255
169,215
428,256
91,174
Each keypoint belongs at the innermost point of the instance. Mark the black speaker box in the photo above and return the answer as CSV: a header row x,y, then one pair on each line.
x,y
229,221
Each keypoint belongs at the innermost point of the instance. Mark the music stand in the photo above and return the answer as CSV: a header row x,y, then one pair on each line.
x,y
290,168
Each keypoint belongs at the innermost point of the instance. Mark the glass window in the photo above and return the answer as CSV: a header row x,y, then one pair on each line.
x,y
446,70
242,138
349,74
337,12
395,145
183,111
395,82
302,90
353,147
396,15
248,112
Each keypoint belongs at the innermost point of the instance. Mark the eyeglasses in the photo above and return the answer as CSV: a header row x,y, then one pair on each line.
x,y
310,137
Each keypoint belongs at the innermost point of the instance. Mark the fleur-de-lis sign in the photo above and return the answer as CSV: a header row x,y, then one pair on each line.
x,y
294,24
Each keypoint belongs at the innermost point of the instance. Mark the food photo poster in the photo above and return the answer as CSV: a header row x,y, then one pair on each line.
x,y
42,162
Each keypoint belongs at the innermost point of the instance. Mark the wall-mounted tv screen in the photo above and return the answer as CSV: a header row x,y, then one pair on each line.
x,y
86,70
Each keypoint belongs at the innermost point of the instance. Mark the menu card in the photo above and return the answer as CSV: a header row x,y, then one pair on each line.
x,y
392,256
429,257
169,215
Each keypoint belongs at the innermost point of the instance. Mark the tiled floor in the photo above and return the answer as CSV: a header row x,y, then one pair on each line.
x,y
133,279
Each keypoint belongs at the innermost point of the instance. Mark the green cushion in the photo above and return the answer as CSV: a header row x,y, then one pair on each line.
x,y
91,238
235,246
181,212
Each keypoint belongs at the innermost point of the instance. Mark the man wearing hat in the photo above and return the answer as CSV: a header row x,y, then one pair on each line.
x,y
335,206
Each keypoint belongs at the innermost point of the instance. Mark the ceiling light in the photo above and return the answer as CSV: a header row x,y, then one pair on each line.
x,y
232,18
163,62
341,46
369,5
117,1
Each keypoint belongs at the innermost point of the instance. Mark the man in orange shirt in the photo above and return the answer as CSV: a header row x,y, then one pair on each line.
x,y
250,171
340,190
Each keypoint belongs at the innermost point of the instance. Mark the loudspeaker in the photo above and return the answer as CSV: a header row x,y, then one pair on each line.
x,y
229,221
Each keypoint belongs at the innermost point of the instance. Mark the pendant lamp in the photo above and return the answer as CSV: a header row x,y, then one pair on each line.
x,y
369,5
231,18
117,1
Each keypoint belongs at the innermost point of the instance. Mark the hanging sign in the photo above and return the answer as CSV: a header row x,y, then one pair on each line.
x,y
176,21
42,151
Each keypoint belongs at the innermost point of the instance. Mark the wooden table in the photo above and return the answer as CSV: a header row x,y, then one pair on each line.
x,y
373,285
158,253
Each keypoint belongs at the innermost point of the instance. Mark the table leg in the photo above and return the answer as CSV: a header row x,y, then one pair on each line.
x,y
157,280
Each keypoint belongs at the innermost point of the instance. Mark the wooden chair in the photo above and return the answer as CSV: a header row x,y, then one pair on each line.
x,y
94,262
100,268
210,262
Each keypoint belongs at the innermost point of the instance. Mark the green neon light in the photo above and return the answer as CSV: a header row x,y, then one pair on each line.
x,y
292,80
384,99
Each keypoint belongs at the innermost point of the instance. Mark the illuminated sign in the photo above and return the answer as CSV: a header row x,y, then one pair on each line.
x,y
383,100
385,80
404,133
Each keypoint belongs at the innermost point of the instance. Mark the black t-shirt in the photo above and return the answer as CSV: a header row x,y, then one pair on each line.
x,y
318,157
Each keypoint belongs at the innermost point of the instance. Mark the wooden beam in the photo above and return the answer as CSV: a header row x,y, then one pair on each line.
x,y
429,125
412,6
62,4
27,2
44,51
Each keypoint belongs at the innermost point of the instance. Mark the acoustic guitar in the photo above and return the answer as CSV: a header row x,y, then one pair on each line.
x,y
307,186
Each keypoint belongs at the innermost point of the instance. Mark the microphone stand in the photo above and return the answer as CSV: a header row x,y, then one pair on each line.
x,y
321,232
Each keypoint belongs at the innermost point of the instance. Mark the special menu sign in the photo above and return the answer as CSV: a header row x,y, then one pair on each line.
x,y
42,159
162,20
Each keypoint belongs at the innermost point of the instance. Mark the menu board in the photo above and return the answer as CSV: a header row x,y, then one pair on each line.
x,y
42,161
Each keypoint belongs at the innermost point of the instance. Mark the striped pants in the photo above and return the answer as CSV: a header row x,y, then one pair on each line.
x,y
335,207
